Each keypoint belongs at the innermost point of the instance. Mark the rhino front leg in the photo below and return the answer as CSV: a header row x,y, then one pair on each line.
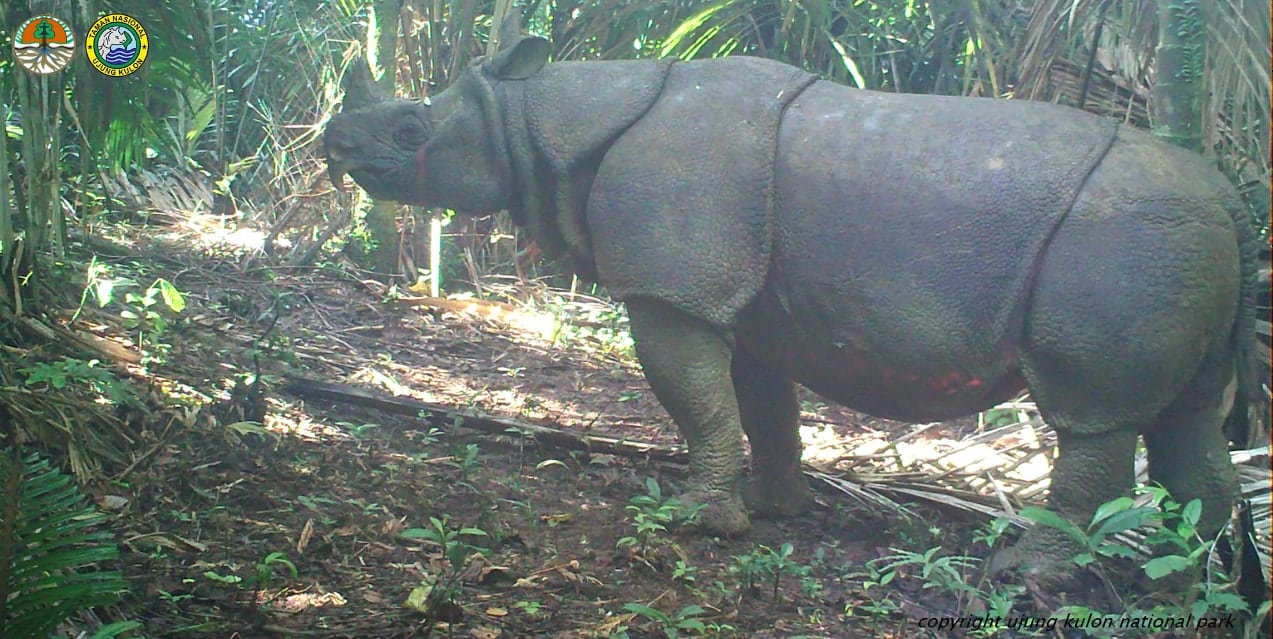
x,y
771,418
687,363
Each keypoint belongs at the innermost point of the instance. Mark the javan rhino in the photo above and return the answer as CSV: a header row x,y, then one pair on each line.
x,y
914,257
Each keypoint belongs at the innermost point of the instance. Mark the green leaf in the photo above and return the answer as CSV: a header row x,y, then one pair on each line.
x,y
1045,517
1159,567
689,26
1227,601
652,487
691,611
104,291
1192,512
1123,521
647,612
173,298
110,631
1110,507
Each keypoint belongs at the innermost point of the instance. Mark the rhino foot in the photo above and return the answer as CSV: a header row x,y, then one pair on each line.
x,y
722,512
778,497
1043,557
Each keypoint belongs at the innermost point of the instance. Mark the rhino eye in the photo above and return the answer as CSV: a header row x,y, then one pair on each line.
x,y
409,134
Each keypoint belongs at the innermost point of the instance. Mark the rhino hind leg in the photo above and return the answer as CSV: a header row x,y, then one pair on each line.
x,y
1188,451
770,414
687,363
1089,470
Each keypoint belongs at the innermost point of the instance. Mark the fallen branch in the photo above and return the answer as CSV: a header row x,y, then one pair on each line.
x,y
445,416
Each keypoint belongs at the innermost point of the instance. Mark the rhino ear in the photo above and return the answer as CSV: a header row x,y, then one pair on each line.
x,y
521,58
511,29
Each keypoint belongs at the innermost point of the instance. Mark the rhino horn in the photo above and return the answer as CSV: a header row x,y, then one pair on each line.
x,y
360,88
360,91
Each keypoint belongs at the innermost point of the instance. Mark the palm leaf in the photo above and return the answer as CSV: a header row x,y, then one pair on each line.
x,y
50,547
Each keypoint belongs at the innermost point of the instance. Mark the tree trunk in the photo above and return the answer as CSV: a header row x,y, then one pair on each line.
x,y
1177,96
381,218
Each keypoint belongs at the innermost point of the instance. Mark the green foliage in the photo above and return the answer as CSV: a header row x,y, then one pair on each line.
x,y
439,532
652,514
465,459
50,551
684,572
1171,530
265,569
445,588
71,371
942,575
900,45
605,326
147,312
672,624
764,565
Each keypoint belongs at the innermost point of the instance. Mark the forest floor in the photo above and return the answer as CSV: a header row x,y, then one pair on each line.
x,y
283,516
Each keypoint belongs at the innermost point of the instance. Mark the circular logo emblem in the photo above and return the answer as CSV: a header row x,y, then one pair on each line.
x,y
43,45
117,45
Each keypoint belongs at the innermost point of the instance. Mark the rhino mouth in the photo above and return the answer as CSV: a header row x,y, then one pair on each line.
x,y
381,182
336,172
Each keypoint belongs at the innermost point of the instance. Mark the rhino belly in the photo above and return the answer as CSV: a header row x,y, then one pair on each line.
x,y
830,349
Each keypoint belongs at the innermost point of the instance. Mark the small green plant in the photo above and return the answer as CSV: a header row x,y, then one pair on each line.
x,y
684,619
948,575
57,375
530,607
945,573
230,579
264,573
764,565
146,311
652,513
465,460
684,572
1172,530
454,548
445,589
993,532
357,430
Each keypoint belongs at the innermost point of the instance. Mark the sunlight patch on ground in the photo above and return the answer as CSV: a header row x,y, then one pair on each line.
x,y
302,601
884,452
210,232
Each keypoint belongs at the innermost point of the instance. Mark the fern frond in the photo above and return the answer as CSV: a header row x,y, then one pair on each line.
x,y
50,545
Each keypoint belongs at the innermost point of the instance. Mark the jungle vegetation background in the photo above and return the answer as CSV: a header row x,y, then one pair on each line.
x,y
222,125
235,93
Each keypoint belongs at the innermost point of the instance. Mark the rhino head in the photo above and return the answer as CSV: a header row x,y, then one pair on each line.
x,y
450,151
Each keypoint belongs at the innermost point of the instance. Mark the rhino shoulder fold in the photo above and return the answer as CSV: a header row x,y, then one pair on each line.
x,y
574,109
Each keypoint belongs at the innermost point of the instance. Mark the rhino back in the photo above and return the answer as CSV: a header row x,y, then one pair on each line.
x,y
917,220
681,209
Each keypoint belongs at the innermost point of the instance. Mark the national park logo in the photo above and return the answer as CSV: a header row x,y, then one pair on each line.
x,y
117,45
43,45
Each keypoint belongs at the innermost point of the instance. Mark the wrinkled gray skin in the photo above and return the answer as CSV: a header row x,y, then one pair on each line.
x,y
914,257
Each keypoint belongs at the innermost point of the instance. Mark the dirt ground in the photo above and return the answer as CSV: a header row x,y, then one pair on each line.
x,y
217,511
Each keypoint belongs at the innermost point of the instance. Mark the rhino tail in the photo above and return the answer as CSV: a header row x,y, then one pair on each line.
x,y
1249,422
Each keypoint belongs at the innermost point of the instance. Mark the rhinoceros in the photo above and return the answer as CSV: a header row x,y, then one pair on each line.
x,y
913,257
